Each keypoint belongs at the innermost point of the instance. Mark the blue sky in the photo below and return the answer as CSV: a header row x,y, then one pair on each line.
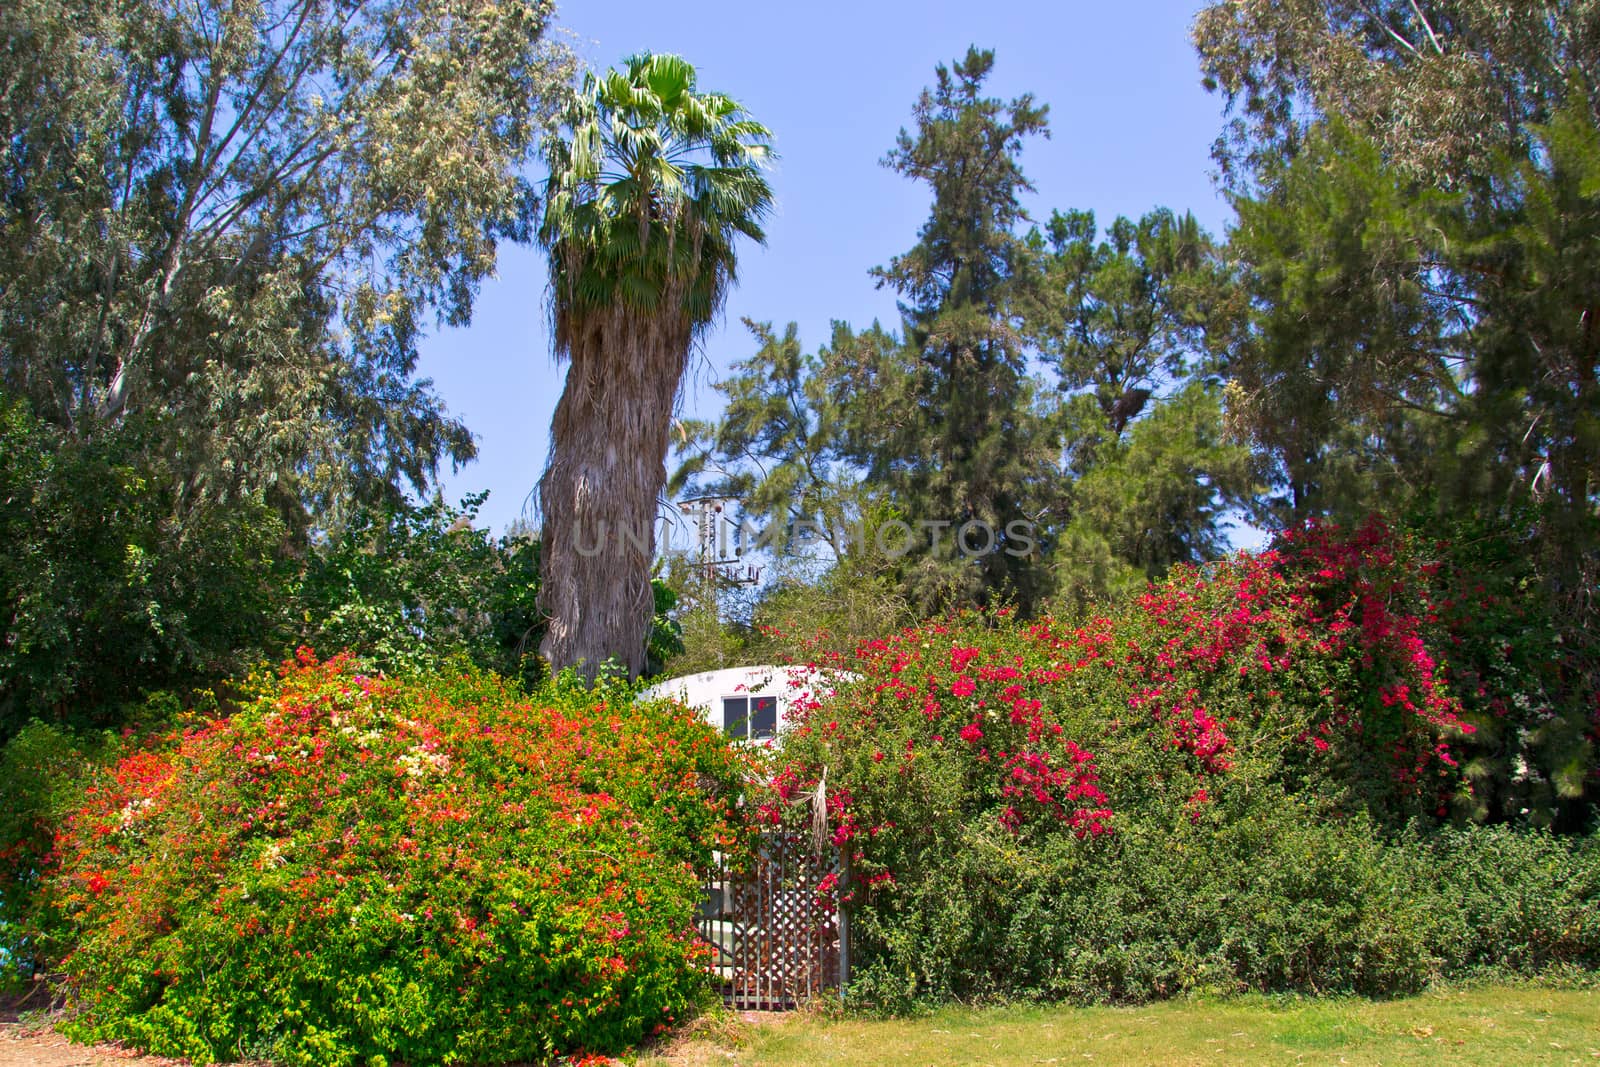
x,y
1131,129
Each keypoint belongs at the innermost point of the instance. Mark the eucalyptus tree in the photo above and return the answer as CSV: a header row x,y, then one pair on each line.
x,y
1415,151
1415,187
234,221
650,190
1444,87
224,227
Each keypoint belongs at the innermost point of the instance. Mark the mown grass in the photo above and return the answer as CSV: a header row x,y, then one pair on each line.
x,y
1489,1025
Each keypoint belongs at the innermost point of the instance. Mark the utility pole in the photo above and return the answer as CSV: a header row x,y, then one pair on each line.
x,y
719,544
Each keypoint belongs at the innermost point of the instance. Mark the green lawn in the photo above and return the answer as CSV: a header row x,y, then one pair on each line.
x,y
1488,1025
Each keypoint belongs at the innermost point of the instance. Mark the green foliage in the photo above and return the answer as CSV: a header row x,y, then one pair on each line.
x,y
1506,900
1120,473
42,775
108,594
658,237
410,588
1345,372
666,632
1125,318
223,231
1522,668
112,600
1275,900
781,445
240,218
1531,264
354,870
1150,498
949,428
1445,86
1419,195
811,609
1426,351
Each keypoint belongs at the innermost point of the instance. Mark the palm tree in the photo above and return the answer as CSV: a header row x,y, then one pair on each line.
x,y
647,197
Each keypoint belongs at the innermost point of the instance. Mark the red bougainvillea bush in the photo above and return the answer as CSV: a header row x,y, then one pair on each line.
x,y
1305,664
360,870
1187,792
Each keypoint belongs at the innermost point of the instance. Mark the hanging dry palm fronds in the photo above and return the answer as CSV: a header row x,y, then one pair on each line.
x,y
819,813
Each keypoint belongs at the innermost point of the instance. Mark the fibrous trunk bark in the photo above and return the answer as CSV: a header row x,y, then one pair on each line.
x,y
601,486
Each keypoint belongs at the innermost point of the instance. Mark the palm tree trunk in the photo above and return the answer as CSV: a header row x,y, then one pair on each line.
x,y
600,492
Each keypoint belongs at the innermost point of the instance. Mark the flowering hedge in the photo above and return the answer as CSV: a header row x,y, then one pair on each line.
x,y
356,869
1305,665
1232,743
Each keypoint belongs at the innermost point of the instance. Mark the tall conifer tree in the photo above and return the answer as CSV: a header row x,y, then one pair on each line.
x,y
956,412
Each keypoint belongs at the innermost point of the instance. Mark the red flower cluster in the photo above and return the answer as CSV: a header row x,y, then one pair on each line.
x,y
1064,791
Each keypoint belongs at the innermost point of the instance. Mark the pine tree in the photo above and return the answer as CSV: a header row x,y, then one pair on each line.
x,y
1123,319
951,429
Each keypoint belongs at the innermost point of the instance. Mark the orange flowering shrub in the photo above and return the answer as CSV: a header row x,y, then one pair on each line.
x,y
358,869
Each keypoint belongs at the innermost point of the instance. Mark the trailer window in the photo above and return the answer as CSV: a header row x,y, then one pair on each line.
x,y
736,717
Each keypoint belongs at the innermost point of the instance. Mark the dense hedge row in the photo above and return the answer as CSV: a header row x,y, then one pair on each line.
x,y
357,869
1243,780
1276,901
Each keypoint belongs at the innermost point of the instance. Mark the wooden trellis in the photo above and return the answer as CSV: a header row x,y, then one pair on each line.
x,y
775,942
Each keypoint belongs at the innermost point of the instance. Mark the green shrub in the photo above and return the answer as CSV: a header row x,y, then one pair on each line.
x,y
1510,901
42,770
409,588
355,869
114,584
1278,901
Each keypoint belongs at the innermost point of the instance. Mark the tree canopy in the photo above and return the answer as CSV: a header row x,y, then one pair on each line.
x,y
236,221
224,229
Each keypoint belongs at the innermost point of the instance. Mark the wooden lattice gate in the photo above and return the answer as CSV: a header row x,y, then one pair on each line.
x,y
775,942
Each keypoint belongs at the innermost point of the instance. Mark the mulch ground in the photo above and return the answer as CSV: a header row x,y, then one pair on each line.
x,y
27,1040
30,1045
